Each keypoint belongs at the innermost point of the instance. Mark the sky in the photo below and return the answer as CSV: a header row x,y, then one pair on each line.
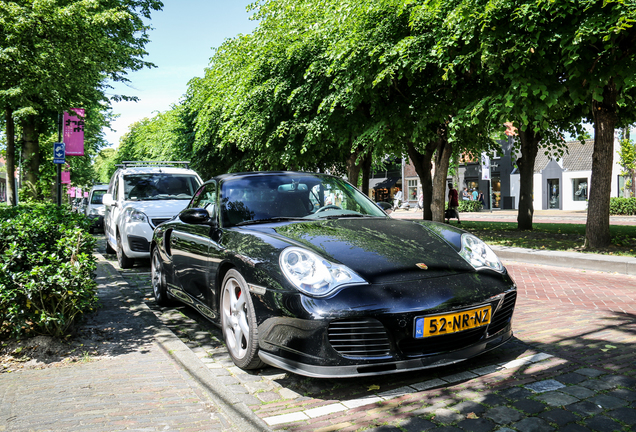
x,y
185,32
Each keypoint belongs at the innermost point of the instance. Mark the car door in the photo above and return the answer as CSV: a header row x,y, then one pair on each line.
x,y
111,212
191,245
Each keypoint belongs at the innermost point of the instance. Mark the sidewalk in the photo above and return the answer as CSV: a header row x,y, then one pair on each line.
x,y
154,383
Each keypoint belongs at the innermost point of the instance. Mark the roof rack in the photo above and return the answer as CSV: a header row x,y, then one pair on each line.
x,y
129,164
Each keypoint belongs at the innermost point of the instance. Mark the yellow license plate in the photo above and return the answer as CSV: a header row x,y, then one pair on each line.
x,y
451,322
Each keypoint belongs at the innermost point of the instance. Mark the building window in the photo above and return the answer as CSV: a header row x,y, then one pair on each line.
x,y
579,189
412,190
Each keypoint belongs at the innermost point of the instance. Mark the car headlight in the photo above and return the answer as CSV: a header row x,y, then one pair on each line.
x,y
314,275
134,215
479,255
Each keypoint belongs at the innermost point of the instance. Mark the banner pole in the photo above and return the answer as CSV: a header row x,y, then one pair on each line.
x,y
59,166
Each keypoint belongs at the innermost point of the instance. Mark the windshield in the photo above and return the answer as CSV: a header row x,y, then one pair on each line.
x,y
159,186
97,196
269,196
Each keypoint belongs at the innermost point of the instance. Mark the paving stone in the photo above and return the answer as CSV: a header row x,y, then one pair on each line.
x,y
559,416
607,402
627,395
589,372
557,398
516,393
491,400
533,424
597,385
417,424
578,391
385,428
446,416
571,378
468,407
573,427
625,415
619,380
603,424
529,406
545,386
446,429
585,408
503,415
477,425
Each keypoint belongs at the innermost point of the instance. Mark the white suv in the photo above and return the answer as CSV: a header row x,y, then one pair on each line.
x,y
141,195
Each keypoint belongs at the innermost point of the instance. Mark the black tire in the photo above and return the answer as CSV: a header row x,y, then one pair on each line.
x,y
122,259
158,279
238,322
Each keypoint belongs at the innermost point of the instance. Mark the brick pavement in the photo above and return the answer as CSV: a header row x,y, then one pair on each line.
x,y
569,368
579,326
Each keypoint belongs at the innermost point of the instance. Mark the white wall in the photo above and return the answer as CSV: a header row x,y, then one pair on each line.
x,y
567,189
515,188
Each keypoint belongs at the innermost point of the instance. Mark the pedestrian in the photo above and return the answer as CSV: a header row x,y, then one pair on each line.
x,y
453,204
465,195
475,194
481,199
397,199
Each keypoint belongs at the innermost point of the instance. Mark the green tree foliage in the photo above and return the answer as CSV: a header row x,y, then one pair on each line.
x,y
61,54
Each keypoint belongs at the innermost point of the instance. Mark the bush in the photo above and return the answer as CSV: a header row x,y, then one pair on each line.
x,y
469,206
46,270
623,206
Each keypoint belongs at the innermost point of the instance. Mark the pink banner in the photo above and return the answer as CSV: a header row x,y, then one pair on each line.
x,y
74,132
66,178
72,192
85,194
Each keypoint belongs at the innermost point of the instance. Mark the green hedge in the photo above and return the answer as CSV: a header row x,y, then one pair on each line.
x,y
623,206
468,206
46,270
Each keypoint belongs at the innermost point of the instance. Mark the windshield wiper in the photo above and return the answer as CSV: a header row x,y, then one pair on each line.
x,y
350,215
267,220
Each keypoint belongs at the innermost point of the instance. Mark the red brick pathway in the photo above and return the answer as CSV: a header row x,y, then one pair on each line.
x,y
576,288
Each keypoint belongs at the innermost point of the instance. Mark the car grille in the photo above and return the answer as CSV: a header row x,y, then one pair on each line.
x,y
454,341
157,221
138,244
502,317
363,337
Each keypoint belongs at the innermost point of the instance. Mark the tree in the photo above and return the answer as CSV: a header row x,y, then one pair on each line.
x,y
59,54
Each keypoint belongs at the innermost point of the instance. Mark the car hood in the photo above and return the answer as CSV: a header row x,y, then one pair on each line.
x,y
158,208
380,250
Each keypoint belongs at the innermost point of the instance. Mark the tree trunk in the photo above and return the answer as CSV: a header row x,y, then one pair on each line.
x,y
423,166
353,168
10,131
366,173
597,232
442,160
529,147
31,154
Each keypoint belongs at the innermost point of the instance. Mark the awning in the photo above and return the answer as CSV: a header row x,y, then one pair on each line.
x,y
387,183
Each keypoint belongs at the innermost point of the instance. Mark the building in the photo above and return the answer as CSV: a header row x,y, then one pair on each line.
x,y
560,183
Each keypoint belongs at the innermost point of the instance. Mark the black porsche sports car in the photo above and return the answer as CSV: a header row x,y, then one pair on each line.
x,y
304,272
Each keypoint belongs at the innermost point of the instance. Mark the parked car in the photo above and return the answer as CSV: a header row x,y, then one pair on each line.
x,y
95,207
303,272
140,196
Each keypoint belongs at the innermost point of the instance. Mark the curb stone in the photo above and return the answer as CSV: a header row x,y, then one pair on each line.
x,y
237,412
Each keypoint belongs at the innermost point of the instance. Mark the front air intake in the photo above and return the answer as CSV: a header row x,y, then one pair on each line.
x,y
359,338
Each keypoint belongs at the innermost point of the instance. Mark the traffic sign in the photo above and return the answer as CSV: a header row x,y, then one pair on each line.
x,y
59,153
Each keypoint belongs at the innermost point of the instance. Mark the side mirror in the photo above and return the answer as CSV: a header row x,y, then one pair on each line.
x,y
195,216
107,200
387,207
